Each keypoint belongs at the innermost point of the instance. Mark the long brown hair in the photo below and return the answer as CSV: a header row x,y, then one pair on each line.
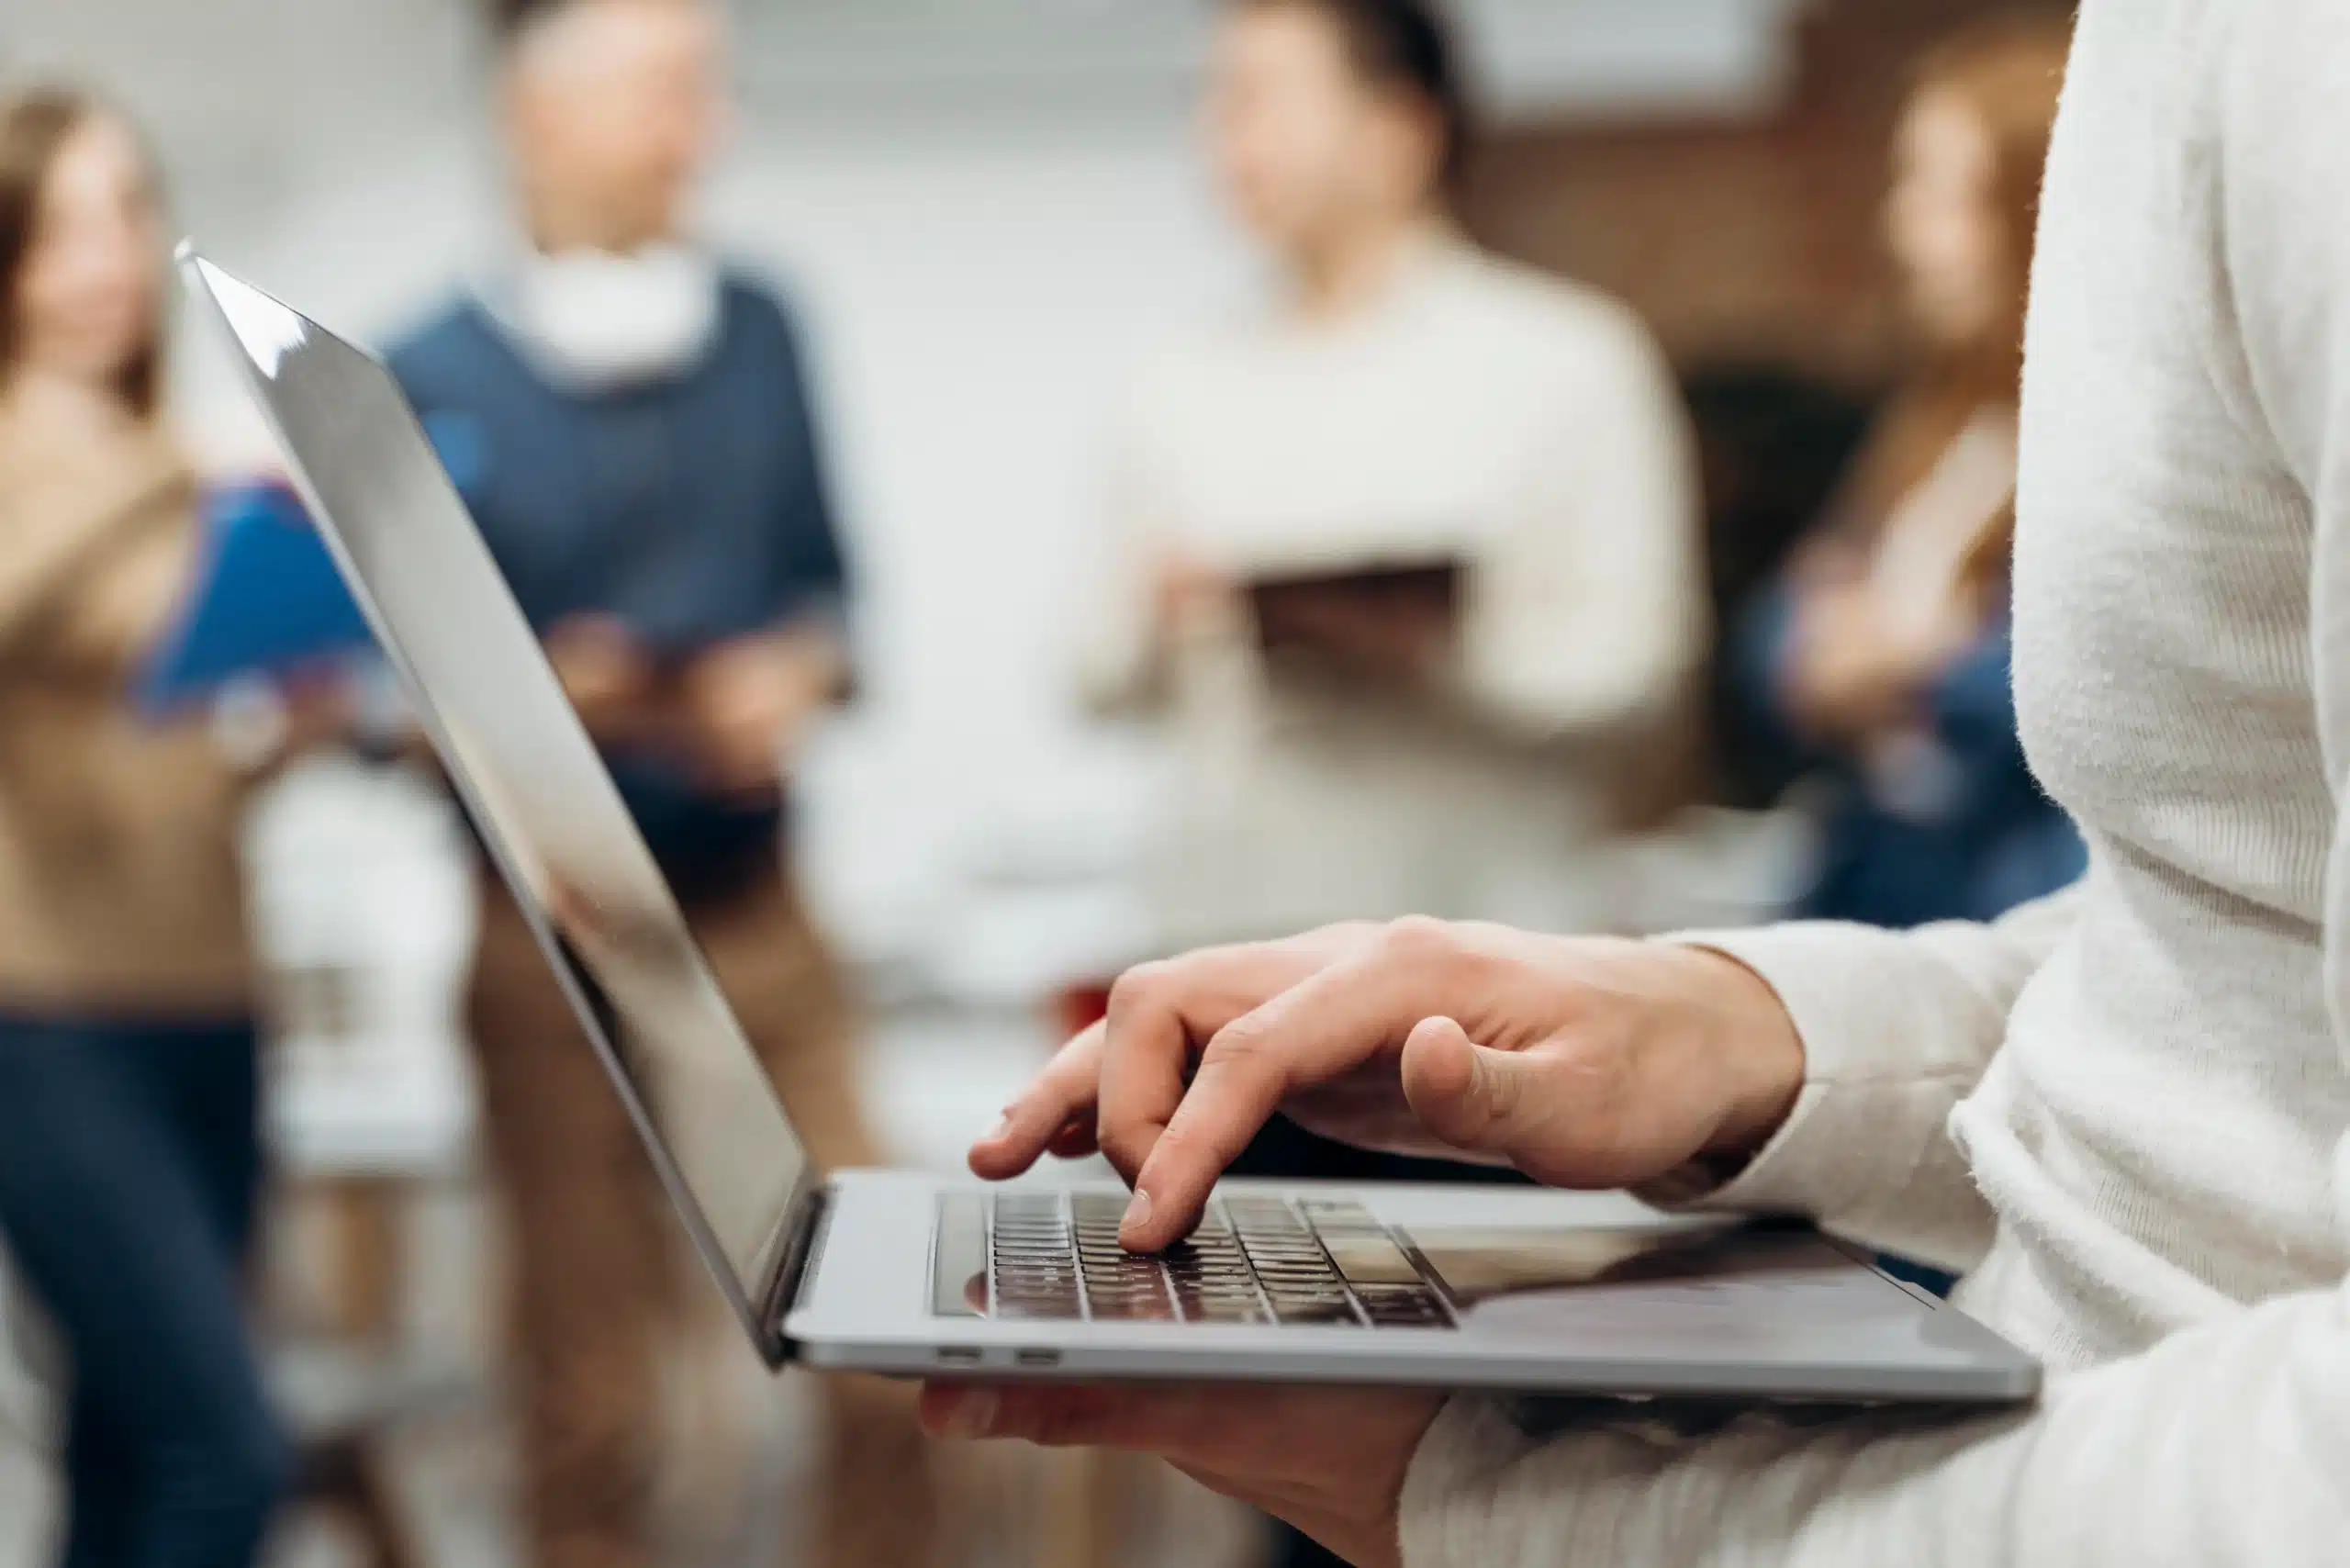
x,y
2007,74
34,126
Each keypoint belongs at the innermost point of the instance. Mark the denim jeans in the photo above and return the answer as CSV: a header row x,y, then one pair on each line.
x,y
129,1171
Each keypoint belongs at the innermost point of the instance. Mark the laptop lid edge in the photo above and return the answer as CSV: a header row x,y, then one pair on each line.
x,y
788,1240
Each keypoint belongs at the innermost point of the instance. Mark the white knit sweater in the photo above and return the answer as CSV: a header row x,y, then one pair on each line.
x,y
1473,411
2148,1168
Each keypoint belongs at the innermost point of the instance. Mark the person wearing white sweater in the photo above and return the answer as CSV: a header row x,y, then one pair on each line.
x,y
2124,1112
1410,408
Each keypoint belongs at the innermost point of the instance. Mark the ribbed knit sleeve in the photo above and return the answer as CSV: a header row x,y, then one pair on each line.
x,y
1898,1028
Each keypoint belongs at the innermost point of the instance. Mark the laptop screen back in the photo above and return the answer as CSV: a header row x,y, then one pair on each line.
x,y
537,791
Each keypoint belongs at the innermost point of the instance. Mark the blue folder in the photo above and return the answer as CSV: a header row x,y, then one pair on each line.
x,y
265,601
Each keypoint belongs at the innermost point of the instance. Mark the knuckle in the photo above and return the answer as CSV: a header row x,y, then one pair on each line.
x,y
1345,937
1419,939
1178,1152
1077,1053
1178,1142
1246,1046
1138,988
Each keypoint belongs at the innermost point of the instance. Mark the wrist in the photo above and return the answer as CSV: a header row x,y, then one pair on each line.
x,y
1753,1043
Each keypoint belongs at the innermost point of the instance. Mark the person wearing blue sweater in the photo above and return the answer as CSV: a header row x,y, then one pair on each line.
x,y
650,525
630,421
1877,672
1949,825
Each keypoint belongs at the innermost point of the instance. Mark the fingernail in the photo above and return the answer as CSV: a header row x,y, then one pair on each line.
x,y
1137,1212
973,1415
1003,1129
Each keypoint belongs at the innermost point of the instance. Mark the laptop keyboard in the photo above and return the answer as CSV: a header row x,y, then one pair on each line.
x,y
1327,1264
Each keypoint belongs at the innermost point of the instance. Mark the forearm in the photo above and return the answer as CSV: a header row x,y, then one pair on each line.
x,y
2220,1447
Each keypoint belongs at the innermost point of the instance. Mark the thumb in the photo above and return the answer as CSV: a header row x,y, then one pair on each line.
x,y
1469,1096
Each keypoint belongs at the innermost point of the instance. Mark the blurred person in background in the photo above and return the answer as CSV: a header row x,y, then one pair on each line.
x,y
1878,667
631,421
129,1148
1408,560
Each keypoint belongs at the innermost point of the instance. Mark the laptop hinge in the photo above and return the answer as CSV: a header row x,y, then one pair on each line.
x,y
804,1246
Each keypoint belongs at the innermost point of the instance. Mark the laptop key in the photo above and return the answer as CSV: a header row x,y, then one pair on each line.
x,y
1324,1315
1372,1259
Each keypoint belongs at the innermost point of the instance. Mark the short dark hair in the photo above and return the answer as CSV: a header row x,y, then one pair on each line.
x,y
1407,45
509,19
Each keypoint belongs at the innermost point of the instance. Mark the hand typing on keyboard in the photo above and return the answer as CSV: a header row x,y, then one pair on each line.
x,y
1583,1062
1587,1063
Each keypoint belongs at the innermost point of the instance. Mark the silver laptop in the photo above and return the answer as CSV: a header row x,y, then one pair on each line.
x,y
910,1275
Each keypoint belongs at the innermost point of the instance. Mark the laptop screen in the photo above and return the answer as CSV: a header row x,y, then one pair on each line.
x,y
532,780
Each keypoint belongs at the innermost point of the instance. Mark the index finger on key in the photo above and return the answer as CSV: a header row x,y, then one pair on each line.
x,y
1324,1027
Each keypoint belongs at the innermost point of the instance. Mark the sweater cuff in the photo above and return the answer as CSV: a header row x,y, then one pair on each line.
x,y
1437,1524
1819,1160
